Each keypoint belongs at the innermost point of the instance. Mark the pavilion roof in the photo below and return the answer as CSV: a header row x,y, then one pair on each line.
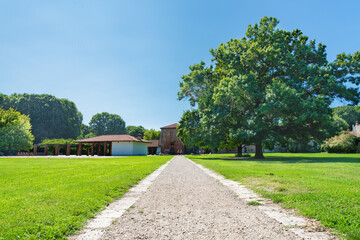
x,y
112,138
153,143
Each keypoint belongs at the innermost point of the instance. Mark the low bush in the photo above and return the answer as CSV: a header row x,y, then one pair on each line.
x,y
343,143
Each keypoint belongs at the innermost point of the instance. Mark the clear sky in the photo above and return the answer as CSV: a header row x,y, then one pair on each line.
x,y
127,57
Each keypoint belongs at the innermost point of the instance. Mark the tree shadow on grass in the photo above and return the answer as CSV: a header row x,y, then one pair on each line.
x,y
291,159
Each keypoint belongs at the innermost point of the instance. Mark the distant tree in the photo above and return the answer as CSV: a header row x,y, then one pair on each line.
x,y
268,86
50,117
85,129
15,131
86,132
135,131
152,134
336,126
106,123
89,135
350,114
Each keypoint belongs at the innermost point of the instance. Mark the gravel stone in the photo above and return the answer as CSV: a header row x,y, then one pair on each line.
x,y
185,203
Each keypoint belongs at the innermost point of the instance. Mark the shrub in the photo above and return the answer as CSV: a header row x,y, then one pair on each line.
x,y
343,143
15,132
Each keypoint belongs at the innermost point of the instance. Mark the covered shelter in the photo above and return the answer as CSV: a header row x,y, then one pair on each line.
x,y
116,145
153,146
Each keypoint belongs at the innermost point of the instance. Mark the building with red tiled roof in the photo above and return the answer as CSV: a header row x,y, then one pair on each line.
x,y
171,126
117,145
169,142
153,146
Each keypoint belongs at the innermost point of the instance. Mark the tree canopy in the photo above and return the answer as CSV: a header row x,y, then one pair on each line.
x,y
106,123
351,114
269,86
15,131
152,134
50,117
86,132
135,131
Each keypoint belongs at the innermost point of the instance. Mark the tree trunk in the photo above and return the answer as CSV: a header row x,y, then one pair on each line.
x,y
239,151
258,152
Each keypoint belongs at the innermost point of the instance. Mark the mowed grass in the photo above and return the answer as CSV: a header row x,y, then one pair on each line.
x,y
53,198
321,186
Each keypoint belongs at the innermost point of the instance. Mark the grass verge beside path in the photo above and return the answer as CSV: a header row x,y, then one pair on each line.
x,y
322,186
52,198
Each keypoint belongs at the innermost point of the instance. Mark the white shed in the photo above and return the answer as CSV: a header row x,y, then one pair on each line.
x,y
129,148
117,145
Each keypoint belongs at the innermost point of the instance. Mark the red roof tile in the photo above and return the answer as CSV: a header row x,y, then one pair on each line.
x,y
153,143
170,126
112,138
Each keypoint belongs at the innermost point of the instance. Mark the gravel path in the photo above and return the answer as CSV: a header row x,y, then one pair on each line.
x,y
185,203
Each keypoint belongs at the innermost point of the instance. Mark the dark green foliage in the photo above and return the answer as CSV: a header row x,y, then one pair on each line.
x,y
59,141
86,132
335,126
301,147
152,134
191,133
268,87
15,132
135,131
350,114
107,124
343,143
50,117
85,129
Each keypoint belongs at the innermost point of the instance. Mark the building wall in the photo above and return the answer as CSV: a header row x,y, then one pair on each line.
x,y
129,149
356,128
122,149
169,142
139,149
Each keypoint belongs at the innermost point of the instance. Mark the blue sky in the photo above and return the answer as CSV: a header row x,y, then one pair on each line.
x,y
127,57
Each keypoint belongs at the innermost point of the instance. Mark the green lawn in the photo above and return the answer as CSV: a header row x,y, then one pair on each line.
x,y
321,186
52,198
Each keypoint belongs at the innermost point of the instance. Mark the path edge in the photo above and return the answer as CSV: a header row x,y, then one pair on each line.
x,y
298,224
95,227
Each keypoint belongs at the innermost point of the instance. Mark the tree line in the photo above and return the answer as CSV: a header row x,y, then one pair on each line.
x,y
42,117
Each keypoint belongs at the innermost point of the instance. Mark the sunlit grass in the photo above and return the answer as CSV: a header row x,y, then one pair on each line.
x,y
320,185
53,198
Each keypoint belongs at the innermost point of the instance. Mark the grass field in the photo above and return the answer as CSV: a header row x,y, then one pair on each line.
x,y
52,198
321,186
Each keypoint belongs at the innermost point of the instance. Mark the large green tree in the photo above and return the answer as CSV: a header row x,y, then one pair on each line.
x,y
50,117
106,124
268,86
15,131
135,131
